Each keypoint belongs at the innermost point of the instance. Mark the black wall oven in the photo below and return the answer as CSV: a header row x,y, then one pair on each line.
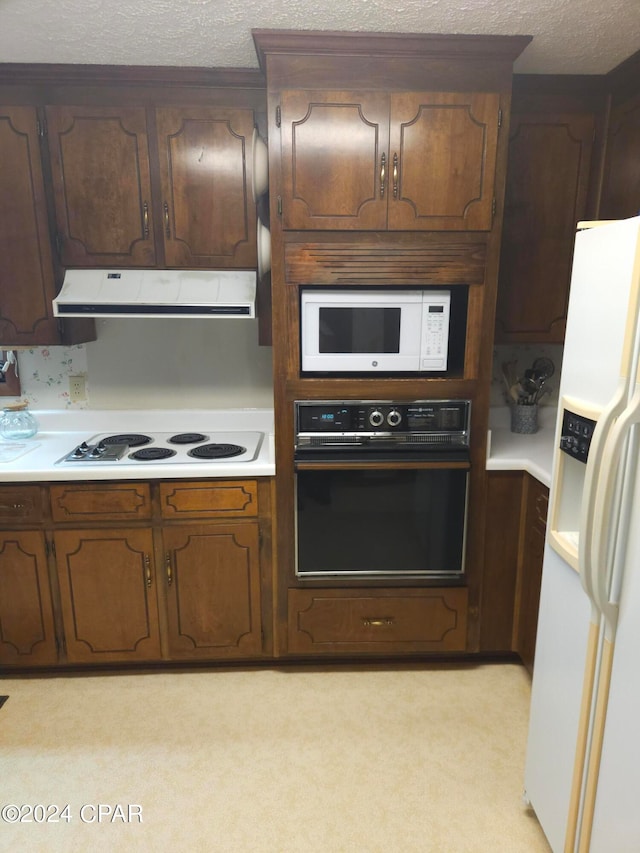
x,y
381,489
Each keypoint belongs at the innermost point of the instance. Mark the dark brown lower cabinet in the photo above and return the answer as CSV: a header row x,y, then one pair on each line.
x,y
27,631
212,581
107,591
514,546
377,621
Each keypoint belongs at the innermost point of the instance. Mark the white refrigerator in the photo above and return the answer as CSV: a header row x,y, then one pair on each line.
x,y
582,775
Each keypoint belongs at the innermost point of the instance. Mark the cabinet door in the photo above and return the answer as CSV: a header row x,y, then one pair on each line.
x,y
333,176
209,217
212,577
108,596
100,172
528,600
443,159
621,184
27,634
27,283
546,196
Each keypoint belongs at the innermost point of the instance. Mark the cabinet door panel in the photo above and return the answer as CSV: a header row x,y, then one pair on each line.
x,y
377,621
27,283
446,148
621,184
213,589
546,196
332,145
27,634
100,171
108,597
205,170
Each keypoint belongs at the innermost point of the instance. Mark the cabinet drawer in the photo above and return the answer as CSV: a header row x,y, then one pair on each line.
x,y
20,504
377,621
214,498
107,502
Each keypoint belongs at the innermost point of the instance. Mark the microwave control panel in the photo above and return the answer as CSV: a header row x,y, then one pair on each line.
x,y
577,432
435,330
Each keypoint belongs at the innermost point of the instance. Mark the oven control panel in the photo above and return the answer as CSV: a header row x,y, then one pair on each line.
x,y
394,421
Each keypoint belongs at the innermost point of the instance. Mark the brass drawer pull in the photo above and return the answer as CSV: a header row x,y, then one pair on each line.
x,y
378,622
167,562
13,506
147,569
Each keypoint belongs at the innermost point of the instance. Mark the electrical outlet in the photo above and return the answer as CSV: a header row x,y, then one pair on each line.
x,y
77,388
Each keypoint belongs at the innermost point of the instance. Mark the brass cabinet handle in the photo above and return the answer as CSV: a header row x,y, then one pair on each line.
x,y
395,176
167,226
145,219
383,173
147,569
377,622
167,562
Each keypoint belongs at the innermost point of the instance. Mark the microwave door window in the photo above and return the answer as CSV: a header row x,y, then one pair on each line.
x,y
359,330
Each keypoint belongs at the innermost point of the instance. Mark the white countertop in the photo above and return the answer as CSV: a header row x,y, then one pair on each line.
x,y
59,432
509,451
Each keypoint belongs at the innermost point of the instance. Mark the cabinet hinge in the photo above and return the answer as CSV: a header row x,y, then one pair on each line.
x,y
41,127
493,207
500,118
53,548
279,205
58,242
278,117
47,549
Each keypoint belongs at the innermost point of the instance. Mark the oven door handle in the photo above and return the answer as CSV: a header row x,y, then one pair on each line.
x,y
359,464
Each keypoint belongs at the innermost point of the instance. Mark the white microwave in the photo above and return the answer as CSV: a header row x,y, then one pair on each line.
x,y
374,331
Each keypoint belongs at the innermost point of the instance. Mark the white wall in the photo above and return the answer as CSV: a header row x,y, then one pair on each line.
x,y
155,363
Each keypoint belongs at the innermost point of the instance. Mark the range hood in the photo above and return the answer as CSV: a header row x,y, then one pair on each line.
x,y
156,293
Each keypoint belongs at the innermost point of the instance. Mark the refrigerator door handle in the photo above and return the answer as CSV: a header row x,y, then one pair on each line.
x,y
587,566
603,530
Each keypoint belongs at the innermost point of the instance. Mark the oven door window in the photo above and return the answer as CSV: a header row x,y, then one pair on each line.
x,y
374,522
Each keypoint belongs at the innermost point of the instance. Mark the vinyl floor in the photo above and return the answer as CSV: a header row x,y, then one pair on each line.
x,y
426,759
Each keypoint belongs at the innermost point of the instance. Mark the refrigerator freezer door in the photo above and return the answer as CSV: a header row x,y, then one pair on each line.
x,y
561,650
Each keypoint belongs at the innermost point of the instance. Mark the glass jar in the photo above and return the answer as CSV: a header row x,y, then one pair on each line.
x,y
17,423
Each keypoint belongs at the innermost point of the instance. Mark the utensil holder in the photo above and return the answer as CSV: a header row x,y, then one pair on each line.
x,y
524,419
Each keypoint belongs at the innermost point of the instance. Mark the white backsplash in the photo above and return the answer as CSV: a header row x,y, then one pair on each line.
x,y
154,364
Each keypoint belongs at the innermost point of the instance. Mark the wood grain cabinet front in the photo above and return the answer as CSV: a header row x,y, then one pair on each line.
x,y
108,597
27,629
335,621
27,282
388,161
546,196
101,502
155,589
212,580
20,505
209,499
107,214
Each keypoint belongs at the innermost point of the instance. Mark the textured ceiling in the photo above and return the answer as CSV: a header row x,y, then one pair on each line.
x,y
570,36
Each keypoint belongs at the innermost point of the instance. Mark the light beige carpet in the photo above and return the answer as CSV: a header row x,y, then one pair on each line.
x,y
407,759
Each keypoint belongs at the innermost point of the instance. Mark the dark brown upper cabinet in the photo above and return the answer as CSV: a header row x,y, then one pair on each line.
x,y
400,161
111,211
208,215
102,185
27,283
546,196
621,185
